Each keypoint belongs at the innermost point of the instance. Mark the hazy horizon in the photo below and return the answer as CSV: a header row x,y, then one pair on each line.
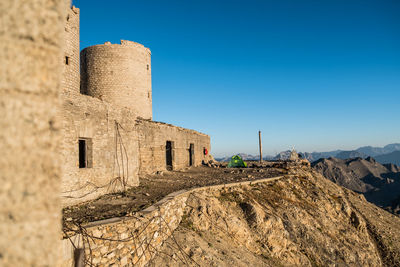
x,y
256,152
316,75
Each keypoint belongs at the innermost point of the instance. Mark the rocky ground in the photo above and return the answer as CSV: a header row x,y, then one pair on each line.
x,y
154,187
300,220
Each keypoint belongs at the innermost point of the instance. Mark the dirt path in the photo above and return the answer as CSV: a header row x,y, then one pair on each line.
x,y
154,187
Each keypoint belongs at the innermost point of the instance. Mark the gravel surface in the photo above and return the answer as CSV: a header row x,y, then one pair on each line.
x,y
153,188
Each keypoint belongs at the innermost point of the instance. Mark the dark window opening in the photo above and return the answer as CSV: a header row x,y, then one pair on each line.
x,y
148,67
85,153
66,60
82,153
191,154
168,154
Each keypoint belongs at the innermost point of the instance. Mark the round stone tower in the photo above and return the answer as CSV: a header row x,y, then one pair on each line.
x,y
119,74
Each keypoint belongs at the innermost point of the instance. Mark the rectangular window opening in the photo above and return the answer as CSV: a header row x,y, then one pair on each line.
x,y
85,153
66,60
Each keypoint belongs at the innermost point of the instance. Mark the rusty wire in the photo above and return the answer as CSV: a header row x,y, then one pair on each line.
x,y
145,245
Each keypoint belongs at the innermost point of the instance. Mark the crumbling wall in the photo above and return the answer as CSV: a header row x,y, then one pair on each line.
x,y
123,147
31,48
130,241
114,149
152,146
135,240
104,90
108,125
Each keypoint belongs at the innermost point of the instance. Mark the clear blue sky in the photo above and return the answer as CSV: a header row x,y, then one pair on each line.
x,y
317,75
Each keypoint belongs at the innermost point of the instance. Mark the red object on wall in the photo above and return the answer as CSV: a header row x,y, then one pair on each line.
x,y
205,151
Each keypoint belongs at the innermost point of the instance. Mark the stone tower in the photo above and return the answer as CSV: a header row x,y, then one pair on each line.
x,y
119,74
71,76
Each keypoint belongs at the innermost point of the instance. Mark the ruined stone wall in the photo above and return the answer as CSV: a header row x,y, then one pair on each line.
x,y
119,74
114,150
127,241
71,75
152,145
123,147
31,51
134,241
101,101
113,143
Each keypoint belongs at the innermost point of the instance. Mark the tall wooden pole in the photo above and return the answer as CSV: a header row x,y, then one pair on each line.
x,y
260,145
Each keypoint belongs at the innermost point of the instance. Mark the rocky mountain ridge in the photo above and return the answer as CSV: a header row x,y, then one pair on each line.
x,y
380,184
301,220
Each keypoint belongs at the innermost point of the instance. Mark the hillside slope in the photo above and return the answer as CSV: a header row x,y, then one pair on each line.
x,y
379,183
303,220
357,174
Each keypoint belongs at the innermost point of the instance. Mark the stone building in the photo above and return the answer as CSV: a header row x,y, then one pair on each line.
x,y
109,137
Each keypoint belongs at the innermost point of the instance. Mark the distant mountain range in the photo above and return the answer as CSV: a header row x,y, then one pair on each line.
x,y
362,152
387,154
393,157
375,151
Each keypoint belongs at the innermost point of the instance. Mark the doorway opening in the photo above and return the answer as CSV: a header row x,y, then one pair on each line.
x,y
168,154
191,154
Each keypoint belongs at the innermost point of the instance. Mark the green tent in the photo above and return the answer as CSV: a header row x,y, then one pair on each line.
x,y
237,162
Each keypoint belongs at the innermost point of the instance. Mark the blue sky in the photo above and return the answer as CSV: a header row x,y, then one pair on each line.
x,y
316,75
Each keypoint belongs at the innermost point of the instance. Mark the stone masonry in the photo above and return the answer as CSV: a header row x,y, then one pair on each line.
x,y
119,74
133,241
109,138
31,48
152,137
52,134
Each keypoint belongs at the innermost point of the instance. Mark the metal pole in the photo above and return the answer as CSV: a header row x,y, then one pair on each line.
x,y
260,145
